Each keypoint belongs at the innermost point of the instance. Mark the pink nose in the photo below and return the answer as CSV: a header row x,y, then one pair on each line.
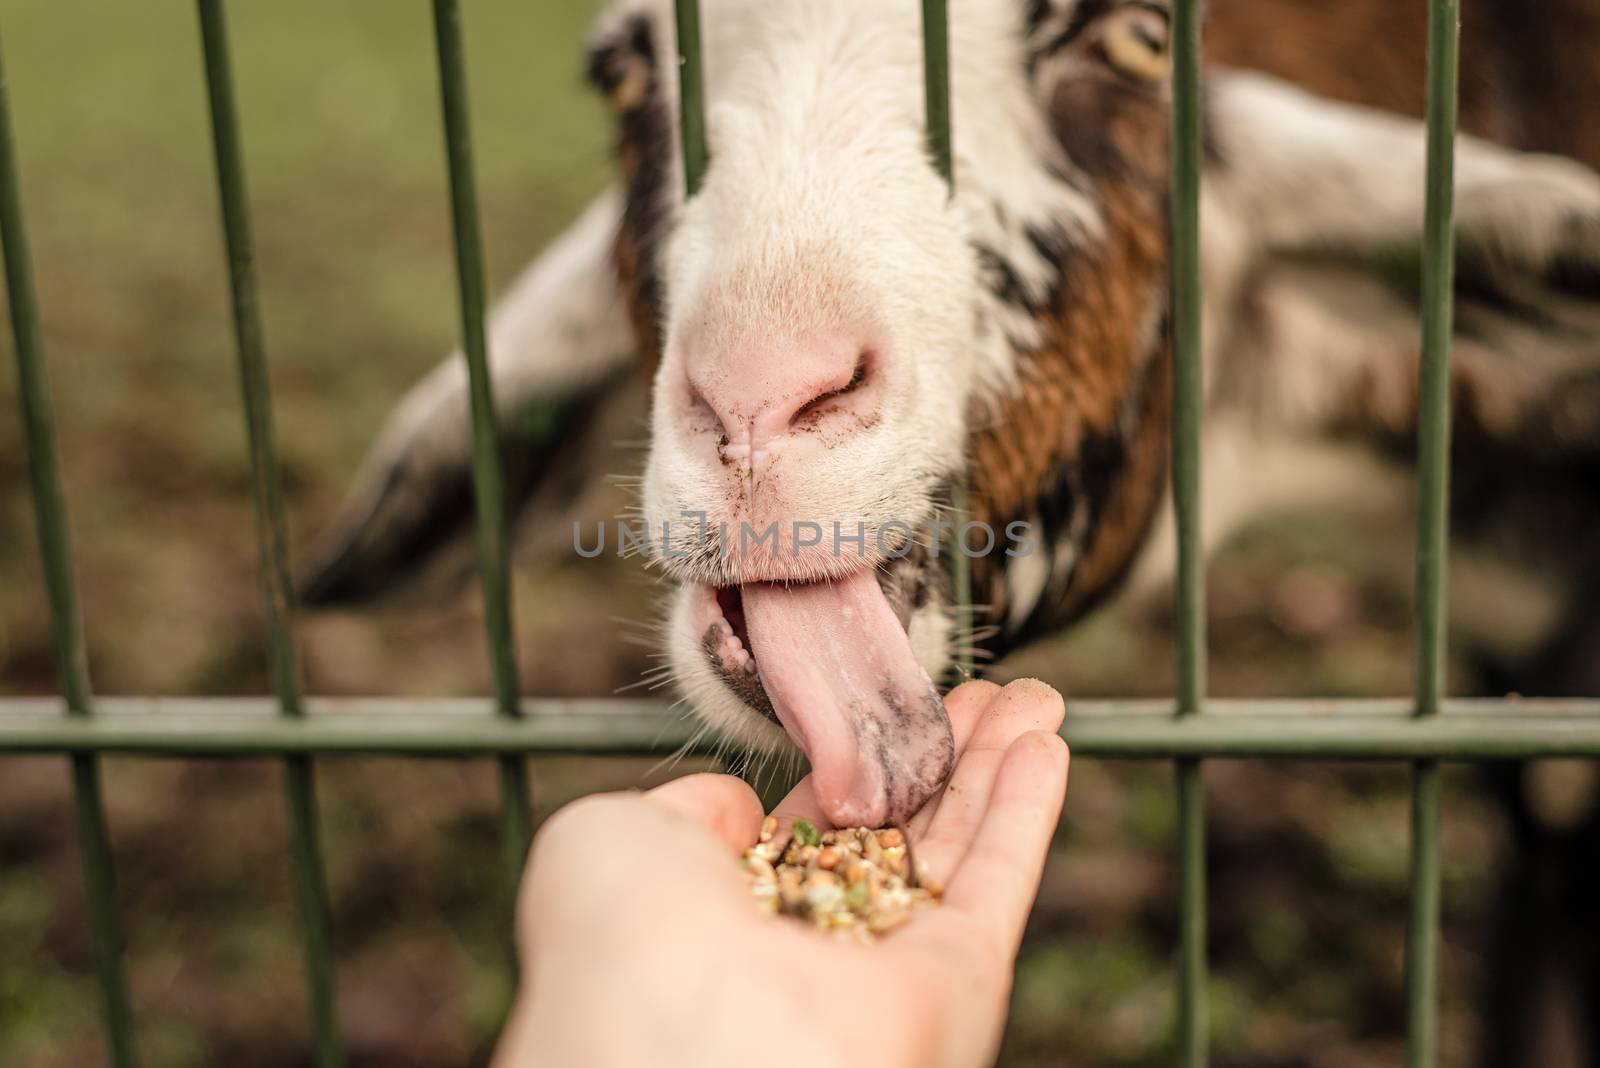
x,y
759,396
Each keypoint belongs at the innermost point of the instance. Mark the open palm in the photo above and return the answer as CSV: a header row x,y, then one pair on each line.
x,y
643,946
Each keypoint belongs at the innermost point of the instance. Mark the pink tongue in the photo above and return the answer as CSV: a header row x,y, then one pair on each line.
x,y
843,680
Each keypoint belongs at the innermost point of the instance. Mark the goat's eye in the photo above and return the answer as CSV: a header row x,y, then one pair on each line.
x,y
1135,42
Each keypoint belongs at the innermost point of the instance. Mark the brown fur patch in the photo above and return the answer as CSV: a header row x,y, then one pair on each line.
x,y
1095,378
625,69
637,277
1086,432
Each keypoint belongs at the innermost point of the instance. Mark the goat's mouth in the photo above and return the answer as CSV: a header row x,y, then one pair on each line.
x,y
832,662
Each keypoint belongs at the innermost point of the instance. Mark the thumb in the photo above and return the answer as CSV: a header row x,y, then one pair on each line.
x,y
722,804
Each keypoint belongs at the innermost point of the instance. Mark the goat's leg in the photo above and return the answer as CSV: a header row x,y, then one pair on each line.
x,y
560,346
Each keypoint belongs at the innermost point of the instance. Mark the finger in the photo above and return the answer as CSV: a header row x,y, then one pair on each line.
x,y
999,876
1023,706
722,804
965,705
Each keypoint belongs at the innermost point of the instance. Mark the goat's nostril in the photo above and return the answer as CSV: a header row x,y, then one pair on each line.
x,y
702,407
817,404
860,374
744,398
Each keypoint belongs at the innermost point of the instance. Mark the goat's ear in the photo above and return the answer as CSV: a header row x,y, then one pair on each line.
x,y
561,349
1313,220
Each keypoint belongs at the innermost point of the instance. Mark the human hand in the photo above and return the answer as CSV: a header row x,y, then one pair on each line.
x,y
642,945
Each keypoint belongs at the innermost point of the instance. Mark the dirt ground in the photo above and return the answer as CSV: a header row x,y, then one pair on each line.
x,y
339,102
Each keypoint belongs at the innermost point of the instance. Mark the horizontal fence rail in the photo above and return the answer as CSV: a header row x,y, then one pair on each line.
x,y
1464,730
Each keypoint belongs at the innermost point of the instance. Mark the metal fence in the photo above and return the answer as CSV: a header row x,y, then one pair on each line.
x,y
1425,730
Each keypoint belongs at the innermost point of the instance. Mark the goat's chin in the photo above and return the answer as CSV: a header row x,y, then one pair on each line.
x,y
714,675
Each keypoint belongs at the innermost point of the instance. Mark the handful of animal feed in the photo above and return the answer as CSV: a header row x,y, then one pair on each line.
x,y
856,882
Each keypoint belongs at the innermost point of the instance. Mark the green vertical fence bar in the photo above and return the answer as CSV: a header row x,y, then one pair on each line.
x,y
50,511
1188,373
941,146
493,555
691,95
266,487
1187,408
936,85
1433,432
1433,473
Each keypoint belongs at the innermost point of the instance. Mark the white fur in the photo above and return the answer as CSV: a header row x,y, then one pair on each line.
x,y
1312,175
1027,577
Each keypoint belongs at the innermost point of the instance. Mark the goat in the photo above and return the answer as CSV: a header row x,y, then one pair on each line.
x,y
830,336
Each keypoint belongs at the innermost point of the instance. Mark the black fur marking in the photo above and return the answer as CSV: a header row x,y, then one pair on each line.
x,y
1070,512
608,57
904,582
1050,242
1002,279
1038,11
606,67
1039,14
